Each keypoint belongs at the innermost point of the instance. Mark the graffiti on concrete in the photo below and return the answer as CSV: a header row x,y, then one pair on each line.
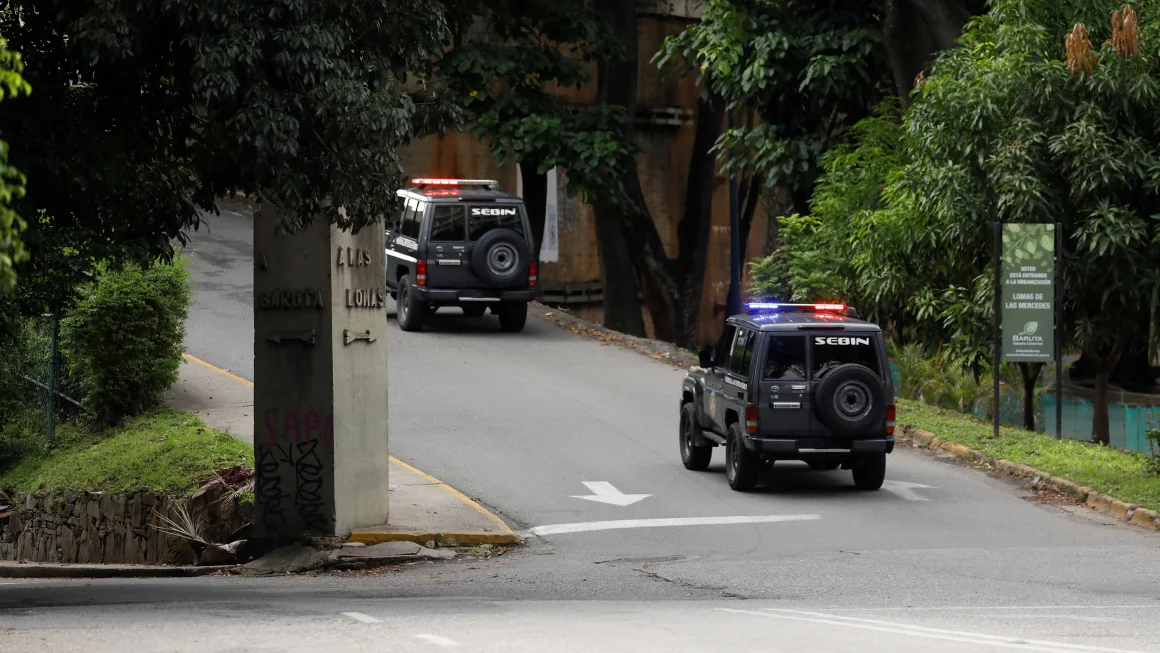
x,y
291,485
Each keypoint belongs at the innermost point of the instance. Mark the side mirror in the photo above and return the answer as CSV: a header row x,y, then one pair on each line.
x,y
705,358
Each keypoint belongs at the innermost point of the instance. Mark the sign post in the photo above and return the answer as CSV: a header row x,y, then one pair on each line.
x,y
1027,300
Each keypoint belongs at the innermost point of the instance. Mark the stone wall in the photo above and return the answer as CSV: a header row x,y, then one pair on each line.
x,y
98,527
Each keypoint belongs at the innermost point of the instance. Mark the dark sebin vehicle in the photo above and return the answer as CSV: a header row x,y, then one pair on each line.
x,y
805,382
460,242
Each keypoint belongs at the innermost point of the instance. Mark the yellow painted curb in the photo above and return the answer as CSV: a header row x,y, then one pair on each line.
x,y
1146,518
1121,510
420,537
505,536
219,370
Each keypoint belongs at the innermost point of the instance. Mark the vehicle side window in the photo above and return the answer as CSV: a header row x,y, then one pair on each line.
x,y
832,351
724,346
449,224
742,353
785,358
484,218
396,220
411,219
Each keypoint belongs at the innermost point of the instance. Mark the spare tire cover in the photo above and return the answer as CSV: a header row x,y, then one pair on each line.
x,y
500,258
850,400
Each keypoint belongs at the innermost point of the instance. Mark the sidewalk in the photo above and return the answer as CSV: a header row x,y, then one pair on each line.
x,y
422,508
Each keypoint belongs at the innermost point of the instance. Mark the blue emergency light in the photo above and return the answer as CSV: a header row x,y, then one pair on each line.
x,y
777,307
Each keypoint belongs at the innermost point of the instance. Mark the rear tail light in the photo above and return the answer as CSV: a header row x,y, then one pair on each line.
x,y
532,274
421,273
890,419
751,419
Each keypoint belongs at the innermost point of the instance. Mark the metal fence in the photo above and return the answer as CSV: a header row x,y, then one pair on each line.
x,y
38,387
1128,425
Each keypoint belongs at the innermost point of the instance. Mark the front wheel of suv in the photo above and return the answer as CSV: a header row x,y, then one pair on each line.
x,y
409,310
870,472
513,316
742,466
693,457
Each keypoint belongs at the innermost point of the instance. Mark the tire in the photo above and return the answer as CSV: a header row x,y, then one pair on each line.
x,y
474,310
851,400
513,316
823,465
500,259
869,472
409,310
693,457
742,466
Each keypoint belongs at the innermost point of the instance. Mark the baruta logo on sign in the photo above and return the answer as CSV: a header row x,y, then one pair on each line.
x,y
1027,336
841,341
479,211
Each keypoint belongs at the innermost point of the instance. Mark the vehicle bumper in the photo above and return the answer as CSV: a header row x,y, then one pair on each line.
x,y
455,297
792,449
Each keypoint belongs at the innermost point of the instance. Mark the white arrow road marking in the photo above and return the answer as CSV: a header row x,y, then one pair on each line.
x,y
906,490
605,492
1018,643
583,527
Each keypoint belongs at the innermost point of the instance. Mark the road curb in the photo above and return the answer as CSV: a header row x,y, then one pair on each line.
x,y
50,570
1102,503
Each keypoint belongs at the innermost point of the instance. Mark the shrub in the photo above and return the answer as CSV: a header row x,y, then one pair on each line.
x,y
125,337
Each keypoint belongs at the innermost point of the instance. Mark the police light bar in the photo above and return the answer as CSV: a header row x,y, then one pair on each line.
x,y
754,307
487,183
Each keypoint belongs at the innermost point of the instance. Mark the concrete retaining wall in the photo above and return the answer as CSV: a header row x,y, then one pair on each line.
x,y
98,527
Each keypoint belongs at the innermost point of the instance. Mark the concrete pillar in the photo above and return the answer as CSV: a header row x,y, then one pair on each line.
x,y
320,379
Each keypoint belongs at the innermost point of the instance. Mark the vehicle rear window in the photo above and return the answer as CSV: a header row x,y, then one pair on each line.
x,y
742,353
449,224
832,351
785,358
483,219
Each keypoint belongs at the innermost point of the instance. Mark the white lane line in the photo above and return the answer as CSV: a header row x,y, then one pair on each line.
x,y
584,527
1018,643
906,490
436,639
366,619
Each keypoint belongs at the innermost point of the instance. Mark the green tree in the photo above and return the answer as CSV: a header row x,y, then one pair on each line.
x,y
509,62
145,113
1028,122
11,181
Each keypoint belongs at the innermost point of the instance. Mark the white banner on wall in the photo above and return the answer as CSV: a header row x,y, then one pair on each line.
x,y
550,248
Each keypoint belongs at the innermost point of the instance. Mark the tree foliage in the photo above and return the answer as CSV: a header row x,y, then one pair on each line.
x,y
144,113
510,63
797,74
1022,123
11,180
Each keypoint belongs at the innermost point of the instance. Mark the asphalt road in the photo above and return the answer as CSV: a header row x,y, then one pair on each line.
x,y
945,558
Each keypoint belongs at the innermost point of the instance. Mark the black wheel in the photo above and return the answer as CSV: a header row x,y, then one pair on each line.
x,y
823,465
409,310
851,400
742,466
693,457
870,471
474,310
500,258
513,316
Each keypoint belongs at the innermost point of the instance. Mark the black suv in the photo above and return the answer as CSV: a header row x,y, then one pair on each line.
x,y
460,242
805,382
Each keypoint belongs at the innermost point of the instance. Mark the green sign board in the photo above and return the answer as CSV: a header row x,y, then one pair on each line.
x,y
1028,293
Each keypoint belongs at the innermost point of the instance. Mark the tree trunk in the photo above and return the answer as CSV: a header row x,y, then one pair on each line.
x,y
535,201
621,286
1030,373
1103,369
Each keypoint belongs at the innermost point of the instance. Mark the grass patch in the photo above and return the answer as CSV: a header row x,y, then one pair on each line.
x,y
161,451
1120,474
